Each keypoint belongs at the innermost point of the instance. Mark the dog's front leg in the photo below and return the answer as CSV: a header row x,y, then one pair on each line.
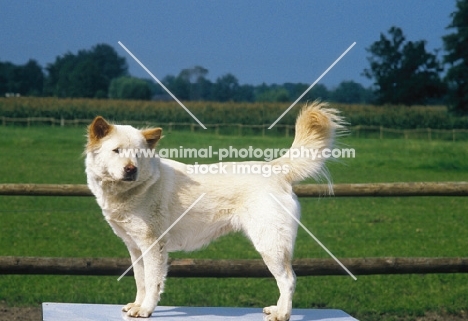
x,y
138,267
139,274
155,270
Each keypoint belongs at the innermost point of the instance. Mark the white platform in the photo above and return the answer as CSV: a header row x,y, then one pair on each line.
x,y
110,312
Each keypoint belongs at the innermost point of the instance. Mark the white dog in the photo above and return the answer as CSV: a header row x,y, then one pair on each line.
x,y
141,197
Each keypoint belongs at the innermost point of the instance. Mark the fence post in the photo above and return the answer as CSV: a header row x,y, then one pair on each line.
x,y
62,121
3,121
192,127
287,130
169,129
239,126
453,134
381,132
429,134
217,130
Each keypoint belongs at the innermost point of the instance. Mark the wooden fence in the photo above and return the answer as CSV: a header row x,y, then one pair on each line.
x,y
238,129
232,268
247,268
303,190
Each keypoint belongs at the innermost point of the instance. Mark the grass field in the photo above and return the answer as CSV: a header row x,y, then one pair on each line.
x,y
349,227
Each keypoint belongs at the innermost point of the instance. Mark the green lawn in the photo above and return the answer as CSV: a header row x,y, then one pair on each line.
x,y
349,227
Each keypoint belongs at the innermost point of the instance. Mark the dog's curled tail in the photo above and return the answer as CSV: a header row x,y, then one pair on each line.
x,y
316,128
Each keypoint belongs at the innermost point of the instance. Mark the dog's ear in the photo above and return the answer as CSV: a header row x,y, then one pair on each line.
x,y
98,129
152,136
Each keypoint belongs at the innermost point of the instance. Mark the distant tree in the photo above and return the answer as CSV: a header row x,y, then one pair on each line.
x,y
195,80
57,81
319,91
178,86
225,88
350,92
7,78
274,94
109,63
129,88
403,71
32,79
456,47
260,90
183,89
85,79
244,93
205,89
26,80
190,84
157,92
86,74
3,78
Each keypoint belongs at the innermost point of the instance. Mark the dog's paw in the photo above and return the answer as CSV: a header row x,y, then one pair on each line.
x,y
137,311
270,310
272,314
127,307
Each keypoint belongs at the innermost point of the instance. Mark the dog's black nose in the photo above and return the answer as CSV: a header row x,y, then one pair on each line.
x,y
130,172
130,169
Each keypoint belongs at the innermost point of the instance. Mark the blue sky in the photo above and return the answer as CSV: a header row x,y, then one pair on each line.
x,y
257,41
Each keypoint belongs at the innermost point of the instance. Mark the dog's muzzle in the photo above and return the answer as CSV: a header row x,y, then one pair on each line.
x,y
130,173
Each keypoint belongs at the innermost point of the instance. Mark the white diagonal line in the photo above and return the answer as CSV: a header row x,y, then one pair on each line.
x,y
161,84
313,236
162,235
313,84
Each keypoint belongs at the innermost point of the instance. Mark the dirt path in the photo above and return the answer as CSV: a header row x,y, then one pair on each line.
x,y
20,313
437,317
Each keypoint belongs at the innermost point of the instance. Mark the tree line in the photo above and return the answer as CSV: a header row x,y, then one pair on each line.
x,y
402,71
101,73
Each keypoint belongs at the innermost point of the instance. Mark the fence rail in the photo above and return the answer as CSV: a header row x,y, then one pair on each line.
x,y
303,190
232,268
247,268
357,131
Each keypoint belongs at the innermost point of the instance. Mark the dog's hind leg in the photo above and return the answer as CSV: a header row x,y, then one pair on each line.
x,y
275,243
281,269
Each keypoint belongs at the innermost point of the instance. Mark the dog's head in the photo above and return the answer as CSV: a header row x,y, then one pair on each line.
x,y
118,153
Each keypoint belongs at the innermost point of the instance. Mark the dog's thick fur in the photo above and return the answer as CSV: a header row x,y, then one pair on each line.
x,y
141,197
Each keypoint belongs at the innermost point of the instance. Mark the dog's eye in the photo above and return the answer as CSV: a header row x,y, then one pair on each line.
x,y
117,150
